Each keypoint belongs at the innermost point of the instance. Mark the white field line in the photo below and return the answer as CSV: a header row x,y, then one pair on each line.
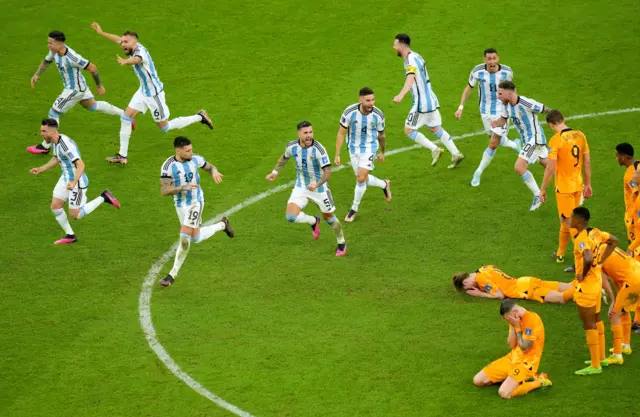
x,y
144,303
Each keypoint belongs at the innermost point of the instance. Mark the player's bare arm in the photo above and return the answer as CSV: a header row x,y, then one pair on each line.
x,y
407,87
215,174
500,122
382,140
587,262
80,167
279,165
93,69
612,244
41,68
524,344
167,188
134,60
110,36
342,132
512,340
549,171
463,100
326,175
588,192
50,164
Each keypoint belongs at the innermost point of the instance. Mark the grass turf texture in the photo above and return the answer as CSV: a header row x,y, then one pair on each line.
x,y
272,322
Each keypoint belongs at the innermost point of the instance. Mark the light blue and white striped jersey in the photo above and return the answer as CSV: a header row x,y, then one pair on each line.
x,y
70,66
66,152
424,99
183,173
488,87
524,116
362,129
150,84
309,163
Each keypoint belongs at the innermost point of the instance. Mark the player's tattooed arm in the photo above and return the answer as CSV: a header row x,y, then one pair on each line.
x,y
167,188
42,67
215,174
382,139
281,163
524,344
326,175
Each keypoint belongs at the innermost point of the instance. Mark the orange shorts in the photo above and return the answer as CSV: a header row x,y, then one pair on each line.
x,y
567,202
627,298
500,369
588,293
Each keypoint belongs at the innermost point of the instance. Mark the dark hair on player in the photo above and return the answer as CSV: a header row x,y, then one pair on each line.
x,y
130,33
507,85
181,142
458,280
49,123
582,213
57,35
507,305
365,91
304,124
555,117
490,51
625,149
404,39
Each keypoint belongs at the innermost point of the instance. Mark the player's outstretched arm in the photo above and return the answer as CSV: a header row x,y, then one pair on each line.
x,y
41,68
342,132
110,36
50,164
279,165
134,60
215,174
463,100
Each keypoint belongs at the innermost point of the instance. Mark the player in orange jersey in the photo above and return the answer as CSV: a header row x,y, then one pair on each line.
x,y
568,156
517,370
490,282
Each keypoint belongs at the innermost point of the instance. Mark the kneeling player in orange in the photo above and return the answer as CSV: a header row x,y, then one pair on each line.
x,y
490,282
517,370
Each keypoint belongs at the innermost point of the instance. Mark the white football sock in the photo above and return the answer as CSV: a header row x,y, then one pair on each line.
x,y
63,221
336,226
487,156
181,122
446,140
181,254
104,107
305,218
208,231
90,206
376,182
508,143
358,193
422,140
125,134
531,182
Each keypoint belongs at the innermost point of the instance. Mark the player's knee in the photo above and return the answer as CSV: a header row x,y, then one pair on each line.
x,y
93,107
362,178
185,240
291,218
480,380
164,127
75,214
504,393
54,114
410,133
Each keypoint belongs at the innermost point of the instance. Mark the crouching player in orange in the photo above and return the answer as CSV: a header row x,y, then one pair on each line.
x,y
490,282
517,370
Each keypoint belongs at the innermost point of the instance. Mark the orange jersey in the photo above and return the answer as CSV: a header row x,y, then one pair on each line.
x,y
581,244
630,187
568,148
489,279
634,216
619,266
532,329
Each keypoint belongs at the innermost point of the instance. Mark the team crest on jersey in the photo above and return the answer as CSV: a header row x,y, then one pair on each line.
x,y
632,184
528,332
581,245
632,298
487,287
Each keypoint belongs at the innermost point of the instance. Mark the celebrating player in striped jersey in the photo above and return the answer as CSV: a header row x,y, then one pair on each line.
x,y
363,125
150,95
487,76
70,64
313,168
179,177
73,182
424,110
523,112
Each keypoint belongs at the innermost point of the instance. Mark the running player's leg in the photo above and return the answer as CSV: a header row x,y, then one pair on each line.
x,y
298,201
190,219
414,121
102,106
160,112
136,105
487,156
204,233
79,208
324,201
521,167
566,204
434,123
60,195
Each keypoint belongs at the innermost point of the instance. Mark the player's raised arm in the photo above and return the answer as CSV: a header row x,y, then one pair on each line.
x,y
41,68
215,174
282,161
342,132
110,36
463,100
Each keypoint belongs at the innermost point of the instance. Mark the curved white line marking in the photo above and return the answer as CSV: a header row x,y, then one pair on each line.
x,y
147,285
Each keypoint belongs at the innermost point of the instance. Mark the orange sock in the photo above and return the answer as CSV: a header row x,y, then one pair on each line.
x,y
601,340
525,388
593,343
626,329
563,239
636,318
616,329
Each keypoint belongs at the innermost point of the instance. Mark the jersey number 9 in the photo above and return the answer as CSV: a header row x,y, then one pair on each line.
x,y
575,152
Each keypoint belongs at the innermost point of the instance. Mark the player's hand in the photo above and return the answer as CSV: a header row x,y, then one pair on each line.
x,y
494,123
72,185
312,187
543,196
381,157
271,177
579,277
217,177
34,80
100,90
121,61
611,313
97,28
630,252
475,292
458,113
35,171
588,191
189,186
398,98
336,160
